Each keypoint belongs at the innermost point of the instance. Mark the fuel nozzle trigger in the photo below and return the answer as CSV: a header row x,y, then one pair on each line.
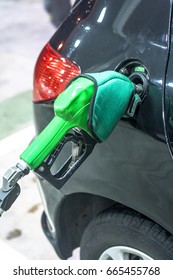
x,y
82,145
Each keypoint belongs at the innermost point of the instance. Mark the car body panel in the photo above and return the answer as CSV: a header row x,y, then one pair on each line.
x,y
168,100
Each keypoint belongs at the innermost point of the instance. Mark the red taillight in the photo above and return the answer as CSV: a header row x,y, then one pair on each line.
x,y
52,74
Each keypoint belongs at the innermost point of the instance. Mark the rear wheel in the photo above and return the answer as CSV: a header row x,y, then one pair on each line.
x,y
123,234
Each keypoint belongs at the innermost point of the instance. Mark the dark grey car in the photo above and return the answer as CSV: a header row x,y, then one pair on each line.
x,y
119,203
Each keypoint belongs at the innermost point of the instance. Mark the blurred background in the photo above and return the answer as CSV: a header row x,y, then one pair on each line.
x,y
25,28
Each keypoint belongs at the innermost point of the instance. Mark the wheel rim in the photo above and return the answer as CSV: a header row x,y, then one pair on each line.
x,y
123,253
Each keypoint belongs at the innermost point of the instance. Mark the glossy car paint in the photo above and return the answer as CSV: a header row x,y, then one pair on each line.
x,y
168,100
134,167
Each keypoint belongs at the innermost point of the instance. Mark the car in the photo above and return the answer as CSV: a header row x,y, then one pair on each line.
x,y
119,202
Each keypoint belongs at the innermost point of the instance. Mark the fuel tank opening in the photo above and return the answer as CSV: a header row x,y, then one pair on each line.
x,y
139,75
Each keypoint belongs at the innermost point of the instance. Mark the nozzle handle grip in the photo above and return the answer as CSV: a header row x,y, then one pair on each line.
x,y
46,141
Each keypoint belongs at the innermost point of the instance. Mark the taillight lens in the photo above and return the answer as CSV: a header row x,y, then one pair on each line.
x,y
52,74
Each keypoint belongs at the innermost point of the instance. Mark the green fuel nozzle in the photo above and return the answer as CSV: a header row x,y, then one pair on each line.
x,y
71,110
86,113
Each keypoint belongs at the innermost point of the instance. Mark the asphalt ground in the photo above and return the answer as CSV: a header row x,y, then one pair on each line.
x,y
25,28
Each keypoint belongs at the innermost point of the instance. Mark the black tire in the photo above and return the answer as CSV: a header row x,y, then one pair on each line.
x,y
127,228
